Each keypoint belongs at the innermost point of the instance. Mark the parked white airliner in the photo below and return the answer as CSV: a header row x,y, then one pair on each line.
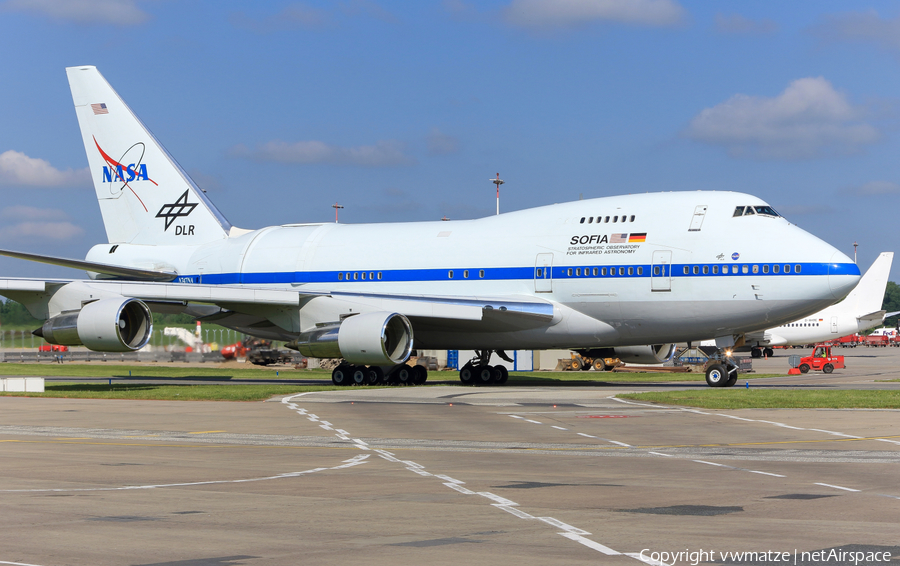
x,y
859,311
592,275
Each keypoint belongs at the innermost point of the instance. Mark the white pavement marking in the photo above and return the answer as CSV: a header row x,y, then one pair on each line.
x,y
766,473
17,563
558,427
587,435
710,463
620,443
661,454
568,531
516,416
355,461
837,487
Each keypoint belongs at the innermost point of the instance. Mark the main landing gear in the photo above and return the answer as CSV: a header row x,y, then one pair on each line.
x,y
721,370
401,374
478,372
759,352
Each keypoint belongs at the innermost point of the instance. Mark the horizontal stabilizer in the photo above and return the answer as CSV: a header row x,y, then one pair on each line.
x,y
890,314
872,316
102,268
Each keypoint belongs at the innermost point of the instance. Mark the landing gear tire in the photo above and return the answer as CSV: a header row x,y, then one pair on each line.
x,y
374,376
756,353
504,374
769,352
420,375
467,374
804,368
716,375
828,368
341,375
358,375
403,374
486,375
731,380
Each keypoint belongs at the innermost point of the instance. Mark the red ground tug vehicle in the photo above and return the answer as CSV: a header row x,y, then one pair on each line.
x,y
821,360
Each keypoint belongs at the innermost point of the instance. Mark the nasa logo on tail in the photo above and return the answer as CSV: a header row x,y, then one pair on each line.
x,y
180,208
119,176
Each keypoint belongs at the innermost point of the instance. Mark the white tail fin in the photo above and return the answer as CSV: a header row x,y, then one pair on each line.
x,y
868,295
145,196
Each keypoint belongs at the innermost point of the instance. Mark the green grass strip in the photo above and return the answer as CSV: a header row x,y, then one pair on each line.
x,y
740,398
238,392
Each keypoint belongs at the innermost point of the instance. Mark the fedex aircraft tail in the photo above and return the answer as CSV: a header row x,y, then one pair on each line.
x,y
868,295
145,196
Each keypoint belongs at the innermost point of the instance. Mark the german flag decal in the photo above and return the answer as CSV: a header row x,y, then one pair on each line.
x,y
637,238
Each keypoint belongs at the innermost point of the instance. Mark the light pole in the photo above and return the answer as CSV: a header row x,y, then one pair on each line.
x,y
855,245
497,182
336,206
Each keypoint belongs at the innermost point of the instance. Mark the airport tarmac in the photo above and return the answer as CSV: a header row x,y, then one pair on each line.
x,y
448,475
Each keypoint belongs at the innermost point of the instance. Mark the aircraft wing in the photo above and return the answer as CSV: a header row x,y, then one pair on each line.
x,y
252,306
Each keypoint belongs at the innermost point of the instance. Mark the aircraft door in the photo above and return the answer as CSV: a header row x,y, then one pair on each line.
x,y
834,326
661,271
697,219
543,273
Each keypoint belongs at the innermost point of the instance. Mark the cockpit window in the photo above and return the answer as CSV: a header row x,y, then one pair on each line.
x,y
767,210
739,211
749,211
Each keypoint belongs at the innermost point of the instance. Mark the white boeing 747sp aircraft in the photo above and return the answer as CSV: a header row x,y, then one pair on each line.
x,y
859,311
601,276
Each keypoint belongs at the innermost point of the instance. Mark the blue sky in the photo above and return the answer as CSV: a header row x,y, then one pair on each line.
x,y
403,110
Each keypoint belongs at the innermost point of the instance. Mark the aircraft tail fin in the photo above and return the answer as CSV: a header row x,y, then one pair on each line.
x,y
145,196
868,295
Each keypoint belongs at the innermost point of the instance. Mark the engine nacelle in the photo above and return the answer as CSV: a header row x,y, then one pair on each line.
x,y
651,354
377,338
107,325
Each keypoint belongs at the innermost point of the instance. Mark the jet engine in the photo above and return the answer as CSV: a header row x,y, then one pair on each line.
x,y
377,338
107,325
650,354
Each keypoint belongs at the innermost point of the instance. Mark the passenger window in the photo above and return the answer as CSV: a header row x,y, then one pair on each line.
x,y
450,274
715,270
705,270
687,270
797,268
612,271
630,271
340,276
734,269
481,273
582,220
599,219
696,270
765,269
745,269
775,268
569,272
640,270
355,276
615,218
621,271
379,276
371,275
540,272
755,269
603,271
655,270
739,211
578,271
363,275
607,220
595,272
591,220
465,274
787,268
632,217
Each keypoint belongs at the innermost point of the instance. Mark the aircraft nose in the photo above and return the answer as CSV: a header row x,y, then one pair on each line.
x,y
843,275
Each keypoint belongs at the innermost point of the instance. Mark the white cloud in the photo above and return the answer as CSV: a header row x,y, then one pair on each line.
x,y
809,119
866,27
37,223
296,15
875,188
440,143
541,14
738,24
115,12
17,169
384,153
